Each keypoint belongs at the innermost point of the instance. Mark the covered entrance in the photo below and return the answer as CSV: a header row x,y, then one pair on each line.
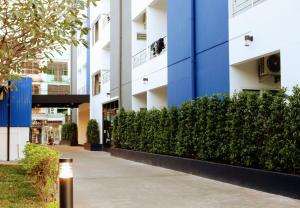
x,y
109,114
46,128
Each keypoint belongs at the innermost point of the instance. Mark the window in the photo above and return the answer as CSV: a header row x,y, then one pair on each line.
x,y
65,72
59,89
51,71
36,89
62,111
97,83
96,32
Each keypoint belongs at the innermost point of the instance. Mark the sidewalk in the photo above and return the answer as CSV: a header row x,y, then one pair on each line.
x,y
102,181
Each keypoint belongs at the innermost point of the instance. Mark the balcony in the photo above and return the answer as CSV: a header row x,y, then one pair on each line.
x,y
239,6
156,49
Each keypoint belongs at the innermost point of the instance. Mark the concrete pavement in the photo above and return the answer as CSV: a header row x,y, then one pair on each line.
x,y
102,181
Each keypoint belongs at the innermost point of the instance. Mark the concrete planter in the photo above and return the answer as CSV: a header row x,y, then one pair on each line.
x,y
272,182
93,147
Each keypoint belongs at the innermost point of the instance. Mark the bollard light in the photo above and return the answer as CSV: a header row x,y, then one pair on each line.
x,y
65,183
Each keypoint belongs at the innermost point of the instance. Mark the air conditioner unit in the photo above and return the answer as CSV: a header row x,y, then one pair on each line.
x,y
269,67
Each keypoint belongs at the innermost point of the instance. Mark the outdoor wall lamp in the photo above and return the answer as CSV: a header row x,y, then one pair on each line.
x,y
65,183
248,40
108,94
145,80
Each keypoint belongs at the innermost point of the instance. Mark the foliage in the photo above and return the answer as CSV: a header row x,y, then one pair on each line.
x,y
53,204
34,29
70,133
16,190
66,132
93,132
184,137
250,130
41,165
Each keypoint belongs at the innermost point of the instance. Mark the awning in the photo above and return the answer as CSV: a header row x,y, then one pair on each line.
x,y
59,101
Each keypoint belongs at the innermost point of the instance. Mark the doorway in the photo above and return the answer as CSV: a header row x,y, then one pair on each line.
x,y
109,114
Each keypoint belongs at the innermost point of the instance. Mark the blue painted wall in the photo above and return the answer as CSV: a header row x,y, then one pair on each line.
x,y
180,84
21,105
211,49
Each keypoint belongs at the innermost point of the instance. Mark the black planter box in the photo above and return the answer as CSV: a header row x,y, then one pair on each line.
x,y
272,182
93,147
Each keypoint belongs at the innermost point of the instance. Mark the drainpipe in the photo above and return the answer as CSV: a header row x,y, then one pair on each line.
x,y
193,49
8,121
121,54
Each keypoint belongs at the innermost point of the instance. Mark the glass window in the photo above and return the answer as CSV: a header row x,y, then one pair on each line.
x,y
97,83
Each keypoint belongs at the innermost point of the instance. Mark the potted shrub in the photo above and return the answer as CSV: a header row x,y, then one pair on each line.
x,y
93,136
65,134
69,134
74,134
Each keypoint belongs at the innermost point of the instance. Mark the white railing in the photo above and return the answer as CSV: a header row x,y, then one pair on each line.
x,y
155,49
239,6
139,58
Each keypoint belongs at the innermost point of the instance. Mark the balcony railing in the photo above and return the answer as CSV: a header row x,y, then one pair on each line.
x,y
242,5
139,58
155,49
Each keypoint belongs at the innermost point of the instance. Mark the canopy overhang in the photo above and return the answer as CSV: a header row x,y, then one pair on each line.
x,y
59,101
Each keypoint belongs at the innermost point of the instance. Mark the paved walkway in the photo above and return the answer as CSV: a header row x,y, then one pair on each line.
x,y
102,181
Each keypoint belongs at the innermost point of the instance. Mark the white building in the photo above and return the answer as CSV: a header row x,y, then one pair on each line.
x,y
149,54
100,68
80,86
273,26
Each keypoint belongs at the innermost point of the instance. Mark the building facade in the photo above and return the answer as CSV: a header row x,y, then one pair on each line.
x,y
270,60
20,120
198,58
47,122
151,54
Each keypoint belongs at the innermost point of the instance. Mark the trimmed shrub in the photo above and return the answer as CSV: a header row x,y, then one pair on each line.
x,y
185,134
70,133
250,130
93,132
66,132
41,165
173,128
74,135
291,149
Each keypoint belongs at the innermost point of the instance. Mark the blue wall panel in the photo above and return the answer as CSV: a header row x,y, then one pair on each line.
x,y
180,84
212,27
211,48
3,112
179,51
213,71
21,105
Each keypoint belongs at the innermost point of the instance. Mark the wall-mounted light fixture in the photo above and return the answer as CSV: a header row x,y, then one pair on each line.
x,y
145,80
248,40
108,94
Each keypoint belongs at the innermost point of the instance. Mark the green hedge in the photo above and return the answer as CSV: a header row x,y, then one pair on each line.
x,y
93,132
70,133
41,165
250,130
